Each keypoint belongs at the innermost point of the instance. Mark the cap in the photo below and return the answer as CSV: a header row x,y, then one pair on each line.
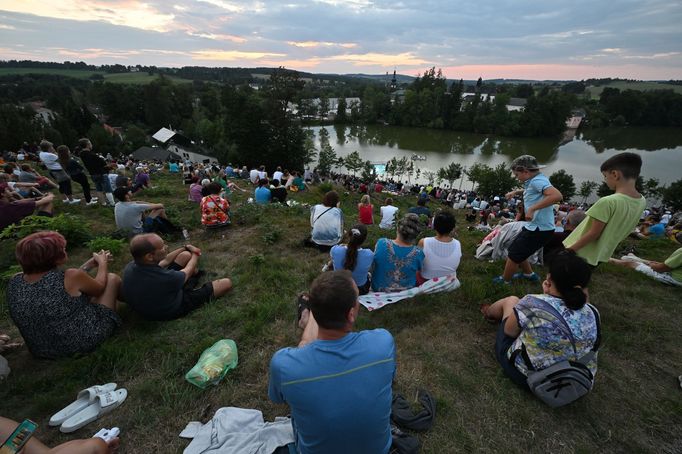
x,y
527,162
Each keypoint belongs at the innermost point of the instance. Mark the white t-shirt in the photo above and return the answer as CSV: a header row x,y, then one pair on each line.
x,y
50,160
277,175
262,174
254,175
388,216
440,259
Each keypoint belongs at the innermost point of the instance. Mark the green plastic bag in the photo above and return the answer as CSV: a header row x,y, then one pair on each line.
x,y
213,364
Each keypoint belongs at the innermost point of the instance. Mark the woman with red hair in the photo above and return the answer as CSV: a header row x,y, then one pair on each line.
x,y
60,313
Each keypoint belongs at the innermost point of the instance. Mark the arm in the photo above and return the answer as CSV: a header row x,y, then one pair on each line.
x,y
551,196
77,280
191,266
170,258
46,200
592,235
659,267
514,193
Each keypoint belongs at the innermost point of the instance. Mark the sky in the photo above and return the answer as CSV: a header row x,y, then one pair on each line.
x,y
522,39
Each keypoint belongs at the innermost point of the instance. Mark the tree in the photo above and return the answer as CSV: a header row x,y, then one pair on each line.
x,y
353,162
324,107
651,189
497,181
450,173
368,171
341,116
563,181
586,189
672,195
327,157
135,137
429,176
475,173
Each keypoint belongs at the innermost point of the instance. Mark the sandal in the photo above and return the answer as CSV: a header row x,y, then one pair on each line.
x,y
484,310
302,304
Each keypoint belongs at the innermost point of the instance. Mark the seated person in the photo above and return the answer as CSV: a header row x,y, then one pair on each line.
x,y
94,445
215,211
326,220
20,190
573,219
334,374
535,324
195,191
28,175
161,285
13,211
298,182
61,313
352,257
173,167
422,209
396,262
141,180
668,271
278,192
442,253
365,210
262,194
388,212
136,217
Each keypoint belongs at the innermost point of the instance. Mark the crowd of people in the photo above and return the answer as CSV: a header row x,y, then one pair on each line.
x,y
328,378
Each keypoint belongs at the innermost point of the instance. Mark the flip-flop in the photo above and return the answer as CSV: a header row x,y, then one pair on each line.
x,y
83,399
103,404
303,303
484,310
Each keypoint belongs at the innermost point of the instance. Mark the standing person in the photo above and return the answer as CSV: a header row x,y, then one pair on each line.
x,y
538,197
337,383
388,213
442,253
365,210
611,219
51,160
352,257
97,168
75,171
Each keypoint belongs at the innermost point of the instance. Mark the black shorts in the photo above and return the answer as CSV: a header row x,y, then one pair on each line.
x,y
527,242
502,345
195,298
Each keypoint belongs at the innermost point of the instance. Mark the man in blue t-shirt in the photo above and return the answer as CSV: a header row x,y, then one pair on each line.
x,y
538,197
337,383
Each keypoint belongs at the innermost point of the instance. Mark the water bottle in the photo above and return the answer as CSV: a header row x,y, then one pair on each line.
x,y
185,234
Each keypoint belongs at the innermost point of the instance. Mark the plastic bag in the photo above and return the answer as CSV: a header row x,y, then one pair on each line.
x,y
213,364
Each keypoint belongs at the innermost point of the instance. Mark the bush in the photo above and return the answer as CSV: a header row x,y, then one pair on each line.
x,y
73,228
325,187
106,243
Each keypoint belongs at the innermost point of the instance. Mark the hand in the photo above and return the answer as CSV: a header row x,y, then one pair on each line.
x,y
48,197
509,195
193,249
101,257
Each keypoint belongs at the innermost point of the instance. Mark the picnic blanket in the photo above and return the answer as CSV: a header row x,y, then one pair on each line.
x,y
377,300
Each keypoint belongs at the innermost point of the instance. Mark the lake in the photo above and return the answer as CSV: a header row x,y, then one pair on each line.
x,y
580,155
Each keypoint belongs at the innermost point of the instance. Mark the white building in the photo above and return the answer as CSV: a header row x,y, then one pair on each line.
x,y
182,146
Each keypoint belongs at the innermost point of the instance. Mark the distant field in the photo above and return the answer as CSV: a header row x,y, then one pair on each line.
x,y
595,92
77,73
121,78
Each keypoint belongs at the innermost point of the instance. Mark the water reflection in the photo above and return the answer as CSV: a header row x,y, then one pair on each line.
x,y
579,155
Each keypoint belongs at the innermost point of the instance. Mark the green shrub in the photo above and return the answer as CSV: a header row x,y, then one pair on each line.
x,y
325,187
73,228
106,243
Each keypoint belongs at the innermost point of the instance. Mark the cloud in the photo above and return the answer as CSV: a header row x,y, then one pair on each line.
x,y
308,44
231,55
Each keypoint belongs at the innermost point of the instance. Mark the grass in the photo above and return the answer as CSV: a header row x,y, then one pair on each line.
x,y
595,91
443,345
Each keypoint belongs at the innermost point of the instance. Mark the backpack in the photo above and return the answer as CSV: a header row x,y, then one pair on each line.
x,y
569,380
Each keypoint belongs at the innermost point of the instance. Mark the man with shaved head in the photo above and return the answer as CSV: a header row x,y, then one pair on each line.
x,y
161,285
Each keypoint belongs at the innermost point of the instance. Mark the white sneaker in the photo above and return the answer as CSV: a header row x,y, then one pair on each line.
x,y
94,199
92,202
75,201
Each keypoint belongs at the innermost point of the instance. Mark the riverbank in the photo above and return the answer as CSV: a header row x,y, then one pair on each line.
x,y
443,345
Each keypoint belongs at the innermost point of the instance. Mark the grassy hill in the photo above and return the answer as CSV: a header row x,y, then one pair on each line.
x,y
122,78
442,341
595,91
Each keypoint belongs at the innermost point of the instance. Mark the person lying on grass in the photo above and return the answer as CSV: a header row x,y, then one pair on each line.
x,y
337,383
397,261
61,313
162,285
93,445
532,333
668,271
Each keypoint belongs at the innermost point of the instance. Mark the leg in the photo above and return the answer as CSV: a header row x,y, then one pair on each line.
x,y
501,309
86,446
510,267
221,287
183,258
625,263
108,298
158,213
525,267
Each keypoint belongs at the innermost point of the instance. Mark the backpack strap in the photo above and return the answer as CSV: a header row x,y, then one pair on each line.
x,y
322,214
597,319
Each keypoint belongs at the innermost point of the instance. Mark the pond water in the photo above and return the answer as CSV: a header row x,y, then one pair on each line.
x,y
580,154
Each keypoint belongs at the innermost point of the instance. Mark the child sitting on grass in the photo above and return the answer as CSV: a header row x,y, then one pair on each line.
x,y
668,271
613,217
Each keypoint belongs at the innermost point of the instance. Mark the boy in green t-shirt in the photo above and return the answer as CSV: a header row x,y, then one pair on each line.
x,y
668,272
613,217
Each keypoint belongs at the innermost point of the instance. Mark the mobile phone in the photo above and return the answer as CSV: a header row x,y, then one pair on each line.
x,y
19,437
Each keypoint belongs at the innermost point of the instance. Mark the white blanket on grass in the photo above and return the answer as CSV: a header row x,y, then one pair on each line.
x,y
377,300
238,431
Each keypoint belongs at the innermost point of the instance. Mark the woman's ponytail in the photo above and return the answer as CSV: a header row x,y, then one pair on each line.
x,y
570,275
356,236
